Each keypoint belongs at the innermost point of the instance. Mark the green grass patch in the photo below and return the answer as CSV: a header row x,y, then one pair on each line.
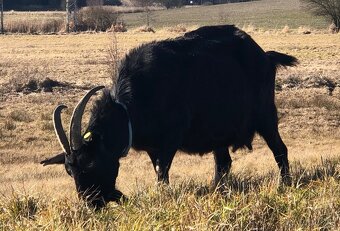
x,y
262,14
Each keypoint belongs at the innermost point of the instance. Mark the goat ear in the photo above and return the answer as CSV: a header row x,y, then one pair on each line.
x,y
58,159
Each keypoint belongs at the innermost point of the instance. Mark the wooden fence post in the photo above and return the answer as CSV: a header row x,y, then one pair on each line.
x,y
75,20
67,16
2,16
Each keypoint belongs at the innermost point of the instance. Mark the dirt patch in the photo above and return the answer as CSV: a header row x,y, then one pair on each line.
x,y
48,84
308,82
35,85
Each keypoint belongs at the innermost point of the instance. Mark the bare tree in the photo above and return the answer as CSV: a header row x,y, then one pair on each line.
x,y
327,8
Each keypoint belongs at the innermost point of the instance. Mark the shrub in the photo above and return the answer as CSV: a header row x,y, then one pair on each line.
x,y
52,26
285,29
34,26
96,18
145,29
332,28
178,29
291,82
304,30
120,27
21,207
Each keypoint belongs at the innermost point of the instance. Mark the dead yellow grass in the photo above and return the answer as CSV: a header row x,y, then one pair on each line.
x,y
309,128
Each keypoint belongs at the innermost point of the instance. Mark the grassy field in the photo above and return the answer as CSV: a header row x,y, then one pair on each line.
x,y
33,197
265,14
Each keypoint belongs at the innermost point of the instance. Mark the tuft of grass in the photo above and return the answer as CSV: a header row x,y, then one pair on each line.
x,y
118,27
304,30
45,116
291,82
2,133
178,28
20,116
325,101
285,29
47,126
21,207
145,29
9,125
318,101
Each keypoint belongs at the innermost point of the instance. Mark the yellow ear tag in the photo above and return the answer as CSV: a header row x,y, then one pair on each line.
x,y
88,136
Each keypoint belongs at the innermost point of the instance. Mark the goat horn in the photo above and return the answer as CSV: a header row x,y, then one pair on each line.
x,y
59,131
75,125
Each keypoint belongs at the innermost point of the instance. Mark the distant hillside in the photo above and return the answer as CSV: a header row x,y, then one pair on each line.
x,y
267,14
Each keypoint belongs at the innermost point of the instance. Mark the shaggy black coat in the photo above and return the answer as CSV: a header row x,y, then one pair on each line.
x,y
208,90
211,88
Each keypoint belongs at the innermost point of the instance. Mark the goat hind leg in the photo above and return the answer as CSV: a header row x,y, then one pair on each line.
x,y
161,163
280,152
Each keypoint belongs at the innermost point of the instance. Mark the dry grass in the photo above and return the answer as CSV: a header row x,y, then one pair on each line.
x,y
35,27
35,197
255,203
51,22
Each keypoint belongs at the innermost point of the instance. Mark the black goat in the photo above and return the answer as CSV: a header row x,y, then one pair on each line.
x,y
211,89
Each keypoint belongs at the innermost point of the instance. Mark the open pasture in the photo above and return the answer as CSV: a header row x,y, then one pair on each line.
x,y
37,198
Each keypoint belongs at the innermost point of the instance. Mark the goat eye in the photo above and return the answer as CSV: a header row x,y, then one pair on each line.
x,y
69,171
90,165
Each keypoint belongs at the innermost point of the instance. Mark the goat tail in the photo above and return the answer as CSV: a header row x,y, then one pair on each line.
x,y
281,60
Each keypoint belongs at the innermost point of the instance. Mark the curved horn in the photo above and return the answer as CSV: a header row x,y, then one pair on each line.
x,y
59,131
75,125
